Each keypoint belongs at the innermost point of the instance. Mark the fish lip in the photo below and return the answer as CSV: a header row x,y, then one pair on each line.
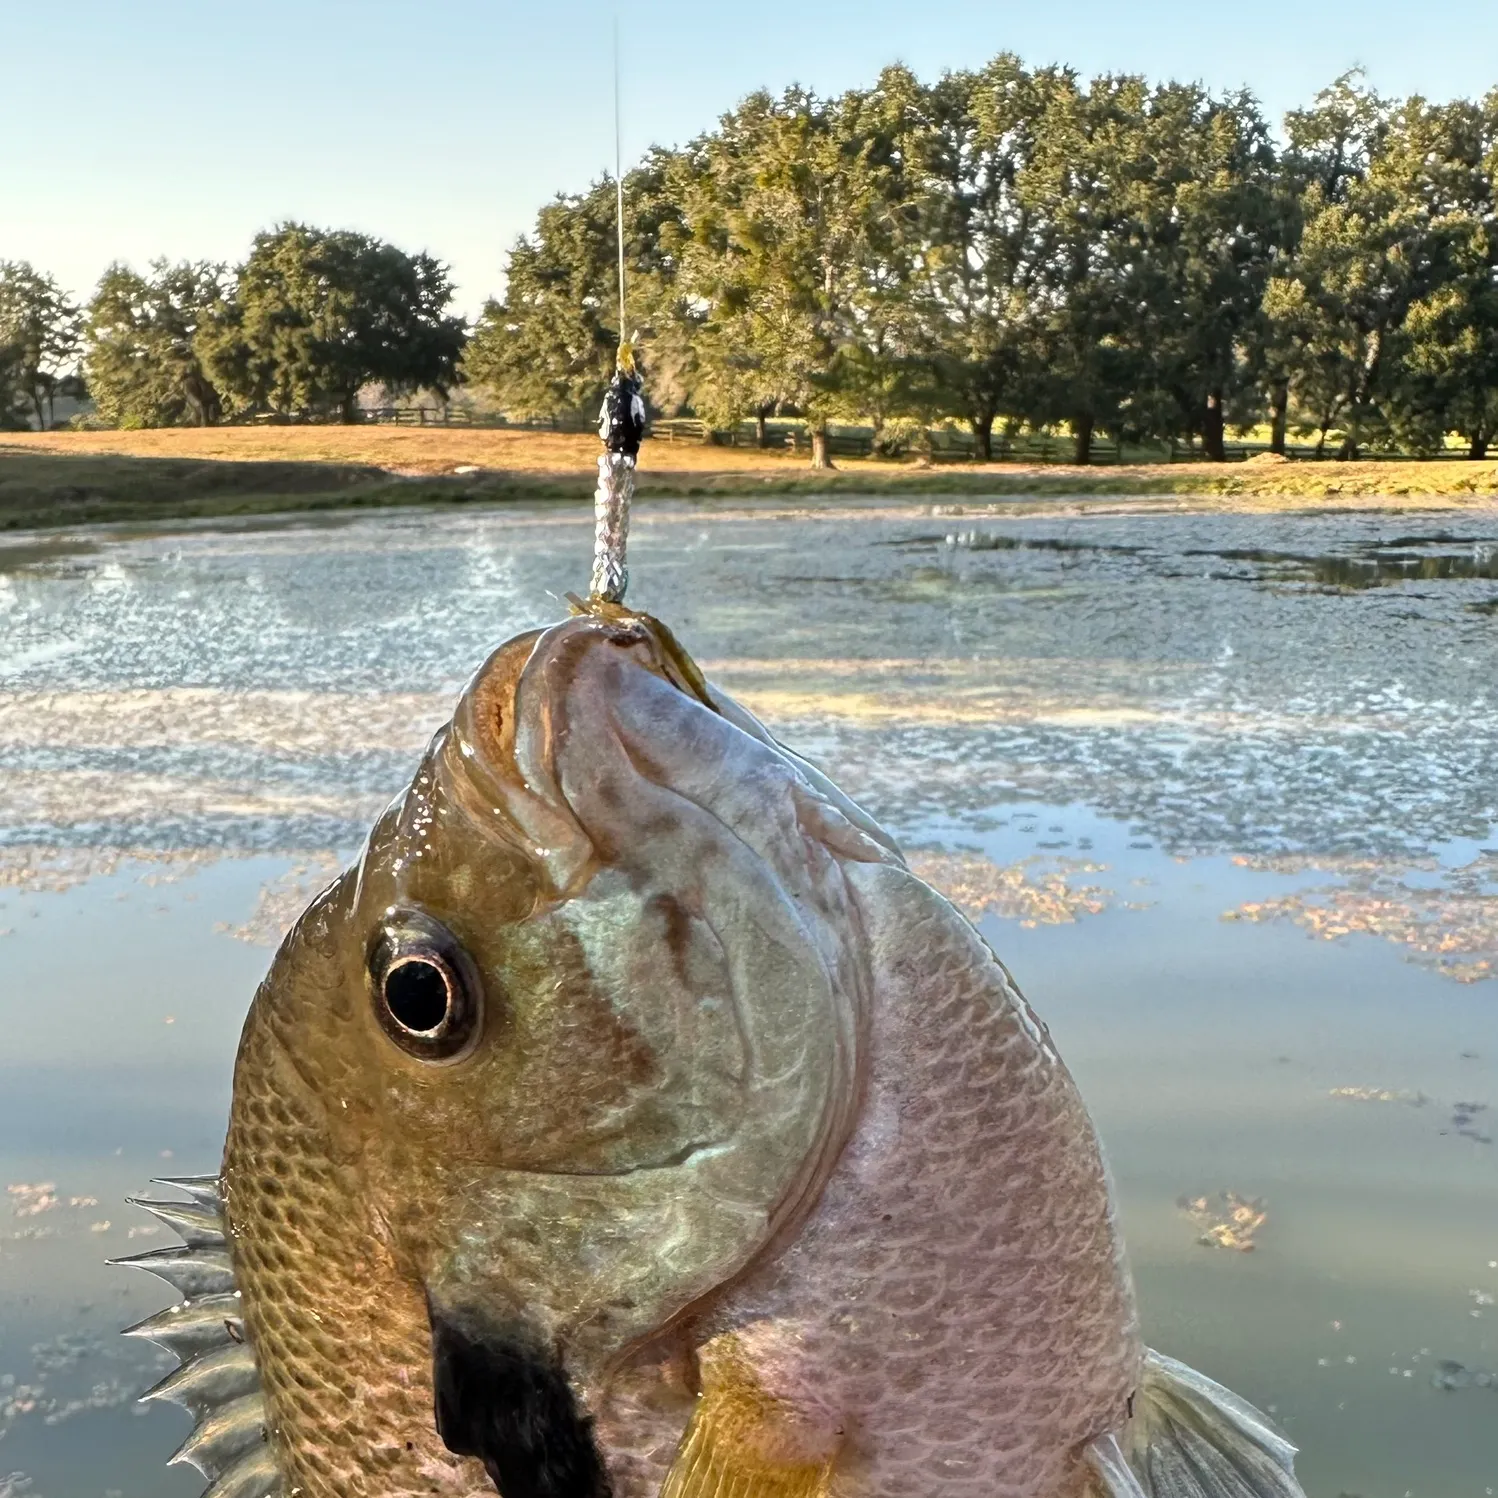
x,y
531,707
498,759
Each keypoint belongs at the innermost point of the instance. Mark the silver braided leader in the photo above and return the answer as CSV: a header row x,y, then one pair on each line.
x,y
621,426
616,487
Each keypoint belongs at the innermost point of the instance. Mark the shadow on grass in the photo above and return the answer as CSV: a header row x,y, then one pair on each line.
x,y
43,490
49,490
58,490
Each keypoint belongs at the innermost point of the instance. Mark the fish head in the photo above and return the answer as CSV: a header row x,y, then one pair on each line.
x,y
575,1038
481,1011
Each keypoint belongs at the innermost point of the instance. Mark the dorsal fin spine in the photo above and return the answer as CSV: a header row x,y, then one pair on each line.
x,y
216,1378
199,1226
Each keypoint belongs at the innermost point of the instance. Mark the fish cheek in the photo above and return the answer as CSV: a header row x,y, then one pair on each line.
x,y
565,1077
553,1077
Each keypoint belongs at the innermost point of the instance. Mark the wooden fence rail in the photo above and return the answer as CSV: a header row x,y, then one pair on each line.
x,y
942,444
462,416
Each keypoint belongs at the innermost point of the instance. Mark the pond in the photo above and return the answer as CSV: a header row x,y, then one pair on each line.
x,y
1221,790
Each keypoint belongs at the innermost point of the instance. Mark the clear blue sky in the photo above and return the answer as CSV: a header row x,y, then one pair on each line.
x,y
136,128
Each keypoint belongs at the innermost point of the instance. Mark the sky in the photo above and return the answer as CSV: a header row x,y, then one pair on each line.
x,y
138,128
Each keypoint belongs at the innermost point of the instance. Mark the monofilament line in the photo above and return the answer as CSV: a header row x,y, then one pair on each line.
x,y
619,185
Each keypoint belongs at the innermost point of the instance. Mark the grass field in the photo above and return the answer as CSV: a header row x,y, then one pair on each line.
x,y
71,478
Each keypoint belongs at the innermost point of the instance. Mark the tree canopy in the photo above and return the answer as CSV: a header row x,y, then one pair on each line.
x,y
1024,247
143,364
39,332
546,348
316,314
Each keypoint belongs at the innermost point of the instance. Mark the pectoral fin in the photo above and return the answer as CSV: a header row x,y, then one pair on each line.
x,y
1191,1438
754,1433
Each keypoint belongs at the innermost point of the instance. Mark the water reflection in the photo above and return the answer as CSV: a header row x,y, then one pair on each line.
x,y
975,540
1379,565
1087,729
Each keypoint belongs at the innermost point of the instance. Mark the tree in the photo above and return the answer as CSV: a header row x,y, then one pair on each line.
x,y
1381,238
710,330
39,329
1447,351
1332,306
1328,152
141,356
975,283
1450,374
1149,213
1088,191
884,375
14,407
1212,227
316,314
547,347
783,210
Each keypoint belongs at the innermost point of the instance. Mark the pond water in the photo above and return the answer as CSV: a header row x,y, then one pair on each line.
x,y
1222,790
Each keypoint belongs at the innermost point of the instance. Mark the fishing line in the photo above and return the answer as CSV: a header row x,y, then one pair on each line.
x,y
621,423
619,183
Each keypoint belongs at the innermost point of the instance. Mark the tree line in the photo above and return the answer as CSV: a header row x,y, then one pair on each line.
x,y
1016,248
309,319
1007,248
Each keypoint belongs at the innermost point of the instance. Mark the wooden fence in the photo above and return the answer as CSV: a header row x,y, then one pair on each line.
x,y
462,416
943,444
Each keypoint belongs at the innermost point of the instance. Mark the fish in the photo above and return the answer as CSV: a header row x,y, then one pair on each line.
x,y
628,1121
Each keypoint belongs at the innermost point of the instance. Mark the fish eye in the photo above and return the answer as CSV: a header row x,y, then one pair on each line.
x,y
425,988
419,994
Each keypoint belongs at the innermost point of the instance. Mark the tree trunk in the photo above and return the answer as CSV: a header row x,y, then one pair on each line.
x,y
1279,407
1321,441
1212,429
761,427
983,435
1478,449
819,458
350,412
1082,430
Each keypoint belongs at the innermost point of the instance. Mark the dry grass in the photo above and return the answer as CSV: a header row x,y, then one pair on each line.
x,y
409,451
72,477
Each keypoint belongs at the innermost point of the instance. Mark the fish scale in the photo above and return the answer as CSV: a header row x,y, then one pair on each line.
x,y
321,1305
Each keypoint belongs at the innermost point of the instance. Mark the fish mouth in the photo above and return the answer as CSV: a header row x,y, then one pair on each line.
x,y
516,703
532,704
